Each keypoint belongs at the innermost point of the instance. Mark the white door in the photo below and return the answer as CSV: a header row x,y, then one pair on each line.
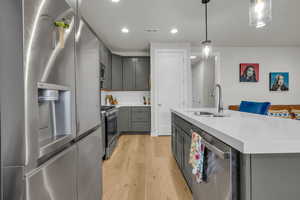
x,y
170,87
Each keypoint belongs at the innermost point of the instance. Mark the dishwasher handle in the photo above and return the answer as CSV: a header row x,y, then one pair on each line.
x,y
221,154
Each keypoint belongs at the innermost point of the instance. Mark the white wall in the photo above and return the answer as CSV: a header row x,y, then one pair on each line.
x,y
203,83
271,59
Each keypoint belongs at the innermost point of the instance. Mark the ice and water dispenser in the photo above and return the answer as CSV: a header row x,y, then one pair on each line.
x,y
55,126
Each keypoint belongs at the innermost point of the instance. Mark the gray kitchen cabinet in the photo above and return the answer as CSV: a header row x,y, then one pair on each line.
x,y
187,168
106,64
242,176
129,73
142,74
141,119
134,119
104,54
117,73
107,83
124,119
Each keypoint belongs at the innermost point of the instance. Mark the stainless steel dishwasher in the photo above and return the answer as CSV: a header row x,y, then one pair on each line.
x,y
222,172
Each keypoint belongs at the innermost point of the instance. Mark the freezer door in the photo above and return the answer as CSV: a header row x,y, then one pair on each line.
x,y
89,181
88,81
56,179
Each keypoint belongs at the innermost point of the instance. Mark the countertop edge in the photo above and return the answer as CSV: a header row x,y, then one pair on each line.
x,y
236,144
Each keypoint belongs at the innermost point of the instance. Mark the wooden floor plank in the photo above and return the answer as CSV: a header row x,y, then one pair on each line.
x,y
143,168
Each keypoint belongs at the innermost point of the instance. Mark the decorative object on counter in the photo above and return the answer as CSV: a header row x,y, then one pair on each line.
x,y
107,100
149,102
115,101
197,154
279,81
249,72
145,100
110,100
279,113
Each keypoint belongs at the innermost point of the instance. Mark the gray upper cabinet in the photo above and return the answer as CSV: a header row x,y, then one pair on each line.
x,y
104,54
125,73
107,83
142,74
129,73
106,63
116,73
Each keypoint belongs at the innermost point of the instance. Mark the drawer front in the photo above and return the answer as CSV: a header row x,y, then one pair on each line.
x,y
141,126
141,115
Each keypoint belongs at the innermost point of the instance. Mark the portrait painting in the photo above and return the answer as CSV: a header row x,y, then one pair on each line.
x,y
279,81
249,72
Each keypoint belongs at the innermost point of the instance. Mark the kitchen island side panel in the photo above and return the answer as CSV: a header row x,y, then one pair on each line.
x,y
275,177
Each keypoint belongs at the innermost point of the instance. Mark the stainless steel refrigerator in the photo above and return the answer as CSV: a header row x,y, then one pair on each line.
x,y
50,112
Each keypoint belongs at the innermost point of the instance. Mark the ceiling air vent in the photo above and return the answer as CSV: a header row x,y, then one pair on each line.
x,y
152,30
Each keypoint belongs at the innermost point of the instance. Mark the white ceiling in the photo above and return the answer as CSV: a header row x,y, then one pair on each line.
x,y
228,23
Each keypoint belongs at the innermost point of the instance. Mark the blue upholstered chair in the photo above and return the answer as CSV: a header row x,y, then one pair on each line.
x,y
255,107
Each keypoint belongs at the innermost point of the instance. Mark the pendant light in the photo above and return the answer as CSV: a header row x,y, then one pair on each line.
x,y
207,44
260,13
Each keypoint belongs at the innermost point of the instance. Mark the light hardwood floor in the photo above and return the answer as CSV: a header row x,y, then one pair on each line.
x,y
142,168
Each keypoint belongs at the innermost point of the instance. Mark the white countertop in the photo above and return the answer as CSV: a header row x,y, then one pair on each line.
x,y
248,133
130,105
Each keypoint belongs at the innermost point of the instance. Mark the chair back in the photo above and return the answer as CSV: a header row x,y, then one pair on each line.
x,y
255,107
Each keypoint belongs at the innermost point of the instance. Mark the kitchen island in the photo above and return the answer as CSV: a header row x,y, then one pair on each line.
x,y
255,157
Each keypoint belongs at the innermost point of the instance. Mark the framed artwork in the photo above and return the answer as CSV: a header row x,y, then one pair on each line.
x,y
249,72
279,81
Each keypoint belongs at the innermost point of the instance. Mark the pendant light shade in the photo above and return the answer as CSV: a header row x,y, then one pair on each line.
x,y
260,13
207,49
207,44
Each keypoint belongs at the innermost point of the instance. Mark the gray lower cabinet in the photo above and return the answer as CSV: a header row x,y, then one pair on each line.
x,y
124,119
116,73
134,119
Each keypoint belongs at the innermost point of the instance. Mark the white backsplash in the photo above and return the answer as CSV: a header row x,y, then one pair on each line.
x,y
126,97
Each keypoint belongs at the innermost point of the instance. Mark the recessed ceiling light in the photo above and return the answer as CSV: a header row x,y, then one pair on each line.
x,y
193,57
174,30
125,30
115,1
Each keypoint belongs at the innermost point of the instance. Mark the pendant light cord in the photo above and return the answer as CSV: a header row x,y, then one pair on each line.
x,y
206,31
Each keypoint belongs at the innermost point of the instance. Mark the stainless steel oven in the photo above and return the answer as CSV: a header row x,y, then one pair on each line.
x,y
111,129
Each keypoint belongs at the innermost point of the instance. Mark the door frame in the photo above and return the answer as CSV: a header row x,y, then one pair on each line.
x,y
155,83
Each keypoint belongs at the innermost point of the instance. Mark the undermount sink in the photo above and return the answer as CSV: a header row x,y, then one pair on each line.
x,y
209,114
